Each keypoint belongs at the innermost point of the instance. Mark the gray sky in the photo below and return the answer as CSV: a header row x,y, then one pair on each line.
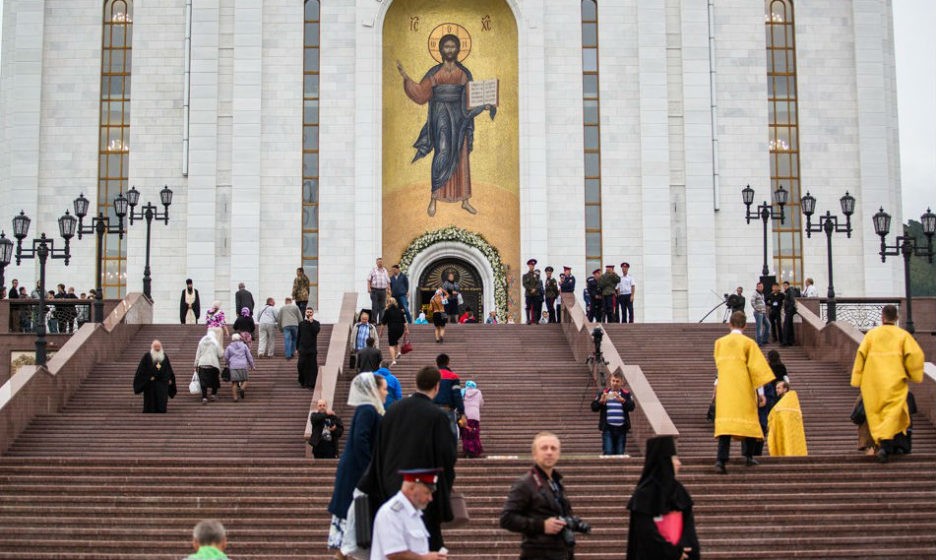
x,y
915,38
914,25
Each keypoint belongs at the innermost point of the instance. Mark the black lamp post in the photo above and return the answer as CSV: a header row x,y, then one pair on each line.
x,y
766,213
6,255
828,224
149,212
42,249
100,225
906,245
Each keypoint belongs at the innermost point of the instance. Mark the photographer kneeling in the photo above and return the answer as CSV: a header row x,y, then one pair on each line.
x,y
538,509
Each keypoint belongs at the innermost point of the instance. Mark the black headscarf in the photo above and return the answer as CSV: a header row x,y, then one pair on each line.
x,y
658,491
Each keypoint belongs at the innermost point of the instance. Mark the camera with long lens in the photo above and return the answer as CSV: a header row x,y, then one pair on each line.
x,y
573,524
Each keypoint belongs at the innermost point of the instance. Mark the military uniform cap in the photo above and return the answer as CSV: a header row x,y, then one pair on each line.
x,y
426,476
566,267
532,261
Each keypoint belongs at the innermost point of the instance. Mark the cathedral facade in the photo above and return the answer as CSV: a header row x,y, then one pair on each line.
x,y
452,136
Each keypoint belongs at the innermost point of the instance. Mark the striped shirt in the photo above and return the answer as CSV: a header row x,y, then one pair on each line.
x,y
615,412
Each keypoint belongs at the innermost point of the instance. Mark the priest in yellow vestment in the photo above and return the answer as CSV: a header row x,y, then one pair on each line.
x,y
786,436
887,359
742,371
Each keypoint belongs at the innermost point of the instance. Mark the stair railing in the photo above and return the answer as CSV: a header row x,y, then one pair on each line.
x,y
838,342
649,418
334,362
36,390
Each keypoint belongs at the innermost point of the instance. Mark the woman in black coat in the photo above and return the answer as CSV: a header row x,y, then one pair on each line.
x,y
661,523
367,394
395,321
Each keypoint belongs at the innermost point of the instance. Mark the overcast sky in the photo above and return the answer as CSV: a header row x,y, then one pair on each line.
x,y
915,33
914,25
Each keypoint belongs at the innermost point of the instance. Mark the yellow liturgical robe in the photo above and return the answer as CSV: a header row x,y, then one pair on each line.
x,y
742,368
786,436
887,357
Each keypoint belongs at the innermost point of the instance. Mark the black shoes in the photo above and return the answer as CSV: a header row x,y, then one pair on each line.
x,y
720,468
751,462
881,456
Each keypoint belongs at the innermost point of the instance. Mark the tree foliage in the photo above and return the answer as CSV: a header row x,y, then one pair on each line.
x,y
922,273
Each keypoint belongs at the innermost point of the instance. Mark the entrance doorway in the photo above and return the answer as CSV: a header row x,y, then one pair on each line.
x,y
467,277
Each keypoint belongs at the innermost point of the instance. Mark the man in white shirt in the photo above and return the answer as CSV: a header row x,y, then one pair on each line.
x,y
810,290
399,531
627,291
378,284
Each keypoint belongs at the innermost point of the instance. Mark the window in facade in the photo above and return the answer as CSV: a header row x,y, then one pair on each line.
x,y
592,135
310,147
783,138
114,147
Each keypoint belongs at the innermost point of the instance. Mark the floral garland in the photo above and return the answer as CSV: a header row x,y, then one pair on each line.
x,y
452,233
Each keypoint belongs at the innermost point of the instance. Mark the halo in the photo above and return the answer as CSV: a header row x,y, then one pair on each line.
x,y
449,29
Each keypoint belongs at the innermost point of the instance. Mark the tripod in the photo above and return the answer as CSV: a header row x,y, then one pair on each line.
x,y
598,366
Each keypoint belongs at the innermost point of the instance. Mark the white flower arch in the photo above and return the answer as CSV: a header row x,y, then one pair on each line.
x,y
460,243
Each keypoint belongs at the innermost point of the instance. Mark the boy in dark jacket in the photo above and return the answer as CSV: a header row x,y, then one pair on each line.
x,y
614,405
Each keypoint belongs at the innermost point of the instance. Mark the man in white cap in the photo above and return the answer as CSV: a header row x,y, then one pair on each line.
x,y
399,531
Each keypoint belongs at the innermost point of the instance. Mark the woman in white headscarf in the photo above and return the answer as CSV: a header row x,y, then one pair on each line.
x,y
208,365
367,395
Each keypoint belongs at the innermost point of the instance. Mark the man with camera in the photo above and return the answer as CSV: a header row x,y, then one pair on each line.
x,y
537,507
735,301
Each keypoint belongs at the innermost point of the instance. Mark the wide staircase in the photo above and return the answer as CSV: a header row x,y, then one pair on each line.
x,y
677,360
102,481
527,374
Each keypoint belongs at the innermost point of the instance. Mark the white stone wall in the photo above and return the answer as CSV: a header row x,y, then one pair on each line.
x,y
671,201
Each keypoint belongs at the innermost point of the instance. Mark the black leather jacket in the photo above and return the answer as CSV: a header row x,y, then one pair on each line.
x,y
530,502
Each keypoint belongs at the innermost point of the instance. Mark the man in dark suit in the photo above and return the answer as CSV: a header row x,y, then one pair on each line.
x,y
414,433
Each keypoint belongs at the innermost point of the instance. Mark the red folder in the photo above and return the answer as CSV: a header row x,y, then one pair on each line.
x,y
670,526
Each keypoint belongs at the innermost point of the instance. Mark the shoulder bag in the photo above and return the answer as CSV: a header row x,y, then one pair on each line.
x,y
194,386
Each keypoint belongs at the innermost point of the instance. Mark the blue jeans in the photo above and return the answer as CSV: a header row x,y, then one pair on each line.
x,y
761,328
404,305
289,340
613,440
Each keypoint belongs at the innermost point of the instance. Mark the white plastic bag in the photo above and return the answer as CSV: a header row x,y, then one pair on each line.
x,y
194,387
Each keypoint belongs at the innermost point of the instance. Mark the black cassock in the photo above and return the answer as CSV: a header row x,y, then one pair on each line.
x,y
156,382
307,349
414,433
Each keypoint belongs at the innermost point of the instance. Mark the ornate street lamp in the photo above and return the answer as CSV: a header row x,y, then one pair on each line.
x,y
100,225
829,224
6,255
906,245
149,212
766,213
42,249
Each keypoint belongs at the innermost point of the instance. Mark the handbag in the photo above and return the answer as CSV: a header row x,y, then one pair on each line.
x,y
460,516
858,416
194,386
226,374
407,346
710,415
362,521
461,300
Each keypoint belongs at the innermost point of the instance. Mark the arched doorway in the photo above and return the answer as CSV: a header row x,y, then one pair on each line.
x,y
467,276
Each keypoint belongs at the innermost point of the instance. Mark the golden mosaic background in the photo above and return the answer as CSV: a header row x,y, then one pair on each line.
x,y
495,161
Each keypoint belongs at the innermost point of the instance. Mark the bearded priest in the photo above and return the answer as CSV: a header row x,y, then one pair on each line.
x,y
155,379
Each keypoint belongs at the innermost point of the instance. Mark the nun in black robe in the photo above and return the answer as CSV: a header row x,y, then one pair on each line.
x,y
661,523
156,381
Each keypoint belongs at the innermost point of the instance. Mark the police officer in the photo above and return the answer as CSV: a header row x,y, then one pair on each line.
x,y
607,284
552,293
594,296
399,531
533,291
